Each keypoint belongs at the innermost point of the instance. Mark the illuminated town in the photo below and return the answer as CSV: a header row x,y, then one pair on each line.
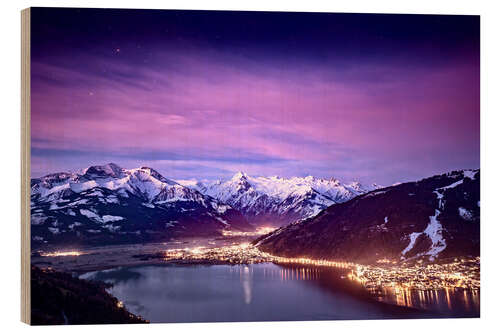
x,y
463,274
61,254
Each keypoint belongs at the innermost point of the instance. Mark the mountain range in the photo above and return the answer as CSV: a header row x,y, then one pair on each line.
x,y
434,218
277,201
106,204
109,204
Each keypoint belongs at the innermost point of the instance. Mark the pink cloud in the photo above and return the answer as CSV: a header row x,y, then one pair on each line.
x,y
301,114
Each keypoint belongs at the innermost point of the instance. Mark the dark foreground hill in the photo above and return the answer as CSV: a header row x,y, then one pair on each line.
x,y
434,218
58,298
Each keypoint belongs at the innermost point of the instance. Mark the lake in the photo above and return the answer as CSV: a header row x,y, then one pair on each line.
x,y
259,292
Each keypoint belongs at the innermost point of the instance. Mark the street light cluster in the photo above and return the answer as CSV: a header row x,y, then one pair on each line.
x,y
462,273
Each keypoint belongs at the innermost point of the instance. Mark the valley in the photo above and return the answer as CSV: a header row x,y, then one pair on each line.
x,y
413,245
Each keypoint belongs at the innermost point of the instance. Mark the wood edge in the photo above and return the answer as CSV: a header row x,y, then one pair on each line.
x,y
25,166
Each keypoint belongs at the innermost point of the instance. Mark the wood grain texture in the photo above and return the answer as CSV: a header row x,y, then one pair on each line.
x,y
25,166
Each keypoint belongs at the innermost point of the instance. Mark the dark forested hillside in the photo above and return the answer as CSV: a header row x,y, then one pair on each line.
x,y
437,217
58,298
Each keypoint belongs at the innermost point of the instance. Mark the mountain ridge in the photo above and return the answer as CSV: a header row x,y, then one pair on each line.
x,y
110,204
433,218
278,200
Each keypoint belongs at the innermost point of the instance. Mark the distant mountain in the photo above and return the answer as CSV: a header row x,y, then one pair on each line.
x,y
278,201
108,204
434,218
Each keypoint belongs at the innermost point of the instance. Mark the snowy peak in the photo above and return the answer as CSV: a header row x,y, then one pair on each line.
x,y
107,203
144,181
104,171
278,199
239,176
155,174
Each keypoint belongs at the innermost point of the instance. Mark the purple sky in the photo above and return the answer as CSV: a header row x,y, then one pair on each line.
x,y
379,100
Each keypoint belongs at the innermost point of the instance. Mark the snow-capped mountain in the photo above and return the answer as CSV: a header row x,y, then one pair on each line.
x,y
276,200
434,218
109,204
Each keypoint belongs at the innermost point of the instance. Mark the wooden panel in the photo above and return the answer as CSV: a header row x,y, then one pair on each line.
x,y
25,167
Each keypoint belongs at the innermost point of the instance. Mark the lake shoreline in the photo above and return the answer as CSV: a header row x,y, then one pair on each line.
x,y
360,295
92,259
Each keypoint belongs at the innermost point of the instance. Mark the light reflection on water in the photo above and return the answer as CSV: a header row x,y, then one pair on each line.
x,y
261,292
284,274
448,300
246,282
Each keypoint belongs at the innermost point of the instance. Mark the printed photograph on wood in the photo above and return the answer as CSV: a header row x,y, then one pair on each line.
x,y
224,166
